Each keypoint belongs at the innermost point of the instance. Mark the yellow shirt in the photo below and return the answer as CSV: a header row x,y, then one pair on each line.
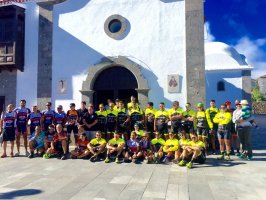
x,y
184,142
201,120
173,145
178,112
222,118
196,144
116,142
149,111
210,114
95,141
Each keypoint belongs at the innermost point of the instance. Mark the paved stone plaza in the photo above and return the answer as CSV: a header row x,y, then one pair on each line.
x,y
23,178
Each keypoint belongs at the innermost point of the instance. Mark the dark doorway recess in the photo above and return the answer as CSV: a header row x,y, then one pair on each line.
x,y
114,82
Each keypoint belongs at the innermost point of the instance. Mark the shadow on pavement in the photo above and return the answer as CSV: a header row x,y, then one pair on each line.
x,y
213,162
19,193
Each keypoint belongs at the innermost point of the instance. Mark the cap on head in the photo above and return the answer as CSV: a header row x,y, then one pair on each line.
x,y
136,124
244,102
200,105
227,103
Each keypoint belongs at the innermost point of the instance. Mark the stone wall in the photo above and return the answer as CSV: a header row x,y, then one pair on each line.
x,y
259,107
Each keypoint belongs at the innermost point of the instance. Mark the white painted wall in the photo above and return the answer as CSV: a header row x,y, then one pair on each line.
x,y
156,41
27,80
233,86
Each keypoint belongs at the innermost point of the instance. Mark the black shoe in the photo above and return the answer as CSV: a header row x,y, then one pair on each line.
x,y
31,155
63,157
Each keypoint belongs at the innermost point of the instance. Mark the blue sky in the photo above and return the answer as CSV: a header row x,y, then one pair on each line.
x,y
241,24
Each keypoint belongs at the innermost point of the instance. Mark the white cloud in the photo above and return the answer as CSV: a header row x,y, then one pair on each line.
x,y
255,54
207,33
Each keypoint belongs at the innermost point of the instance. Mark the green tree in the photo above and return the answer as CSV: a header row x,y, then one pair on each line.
x,y
256,95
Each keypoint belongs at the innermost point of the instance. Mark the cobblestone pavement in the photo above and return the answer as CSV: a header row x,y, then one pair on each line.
x,y
23,178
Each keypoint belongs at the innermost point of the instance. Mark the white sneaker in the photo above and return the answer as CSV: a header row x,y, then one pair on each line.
x,y
17,154
27,153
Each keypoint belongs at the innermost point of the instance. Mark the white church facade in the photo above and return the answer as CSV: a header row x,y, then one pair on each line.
x,y
97,49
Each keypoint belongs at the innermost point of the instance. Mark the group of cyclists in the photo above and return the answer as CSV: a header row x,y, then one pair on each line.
x,y
126,133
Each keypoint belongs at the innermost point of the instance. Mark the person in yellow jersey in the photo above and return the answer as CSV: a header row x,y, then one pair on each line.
x,y
111,121
102,116
116,106
115,147
194,152
188,119
139,133
96,147
161,120
170,148
149,119
223,119
210,114
157,147
201,123
122,120
175,115
136,116
183,142
133,101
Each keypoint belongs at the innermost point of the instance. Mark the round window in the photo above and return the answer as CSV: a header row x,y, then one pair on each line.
x,y
115,26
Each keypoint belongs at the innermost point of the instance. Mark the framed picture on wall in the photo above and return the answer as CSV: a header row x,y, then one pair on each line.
x,y
173,83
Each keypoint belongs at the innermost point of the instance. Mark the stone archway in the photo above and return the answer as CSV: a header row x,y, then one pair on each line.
x,y
94,71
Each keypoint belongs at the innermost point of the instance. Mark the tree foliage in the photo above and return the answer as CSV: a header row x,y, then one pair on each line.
x,y
256,95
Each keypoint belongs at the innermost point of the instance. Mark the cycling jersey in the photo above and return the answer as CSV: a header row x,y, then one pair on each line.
x,y
111,120
145,145
60,118
183,142
150,116
82,145
48,116
96,142
161,118
187,114
114,142
136,115
49,136
201,120
9,119
35,119
72,116
130,105
158,143
132,145
172,144
210,114
196,144
222,118
22,116
101,120
122,116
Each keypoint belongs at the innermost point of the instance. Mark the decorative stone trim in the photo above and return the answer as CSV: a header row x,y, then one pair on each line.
x,y
94,71
123,31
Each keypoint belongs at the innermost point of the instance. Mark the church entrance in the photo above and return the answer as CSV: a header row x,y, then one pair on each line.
x,y
114,83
